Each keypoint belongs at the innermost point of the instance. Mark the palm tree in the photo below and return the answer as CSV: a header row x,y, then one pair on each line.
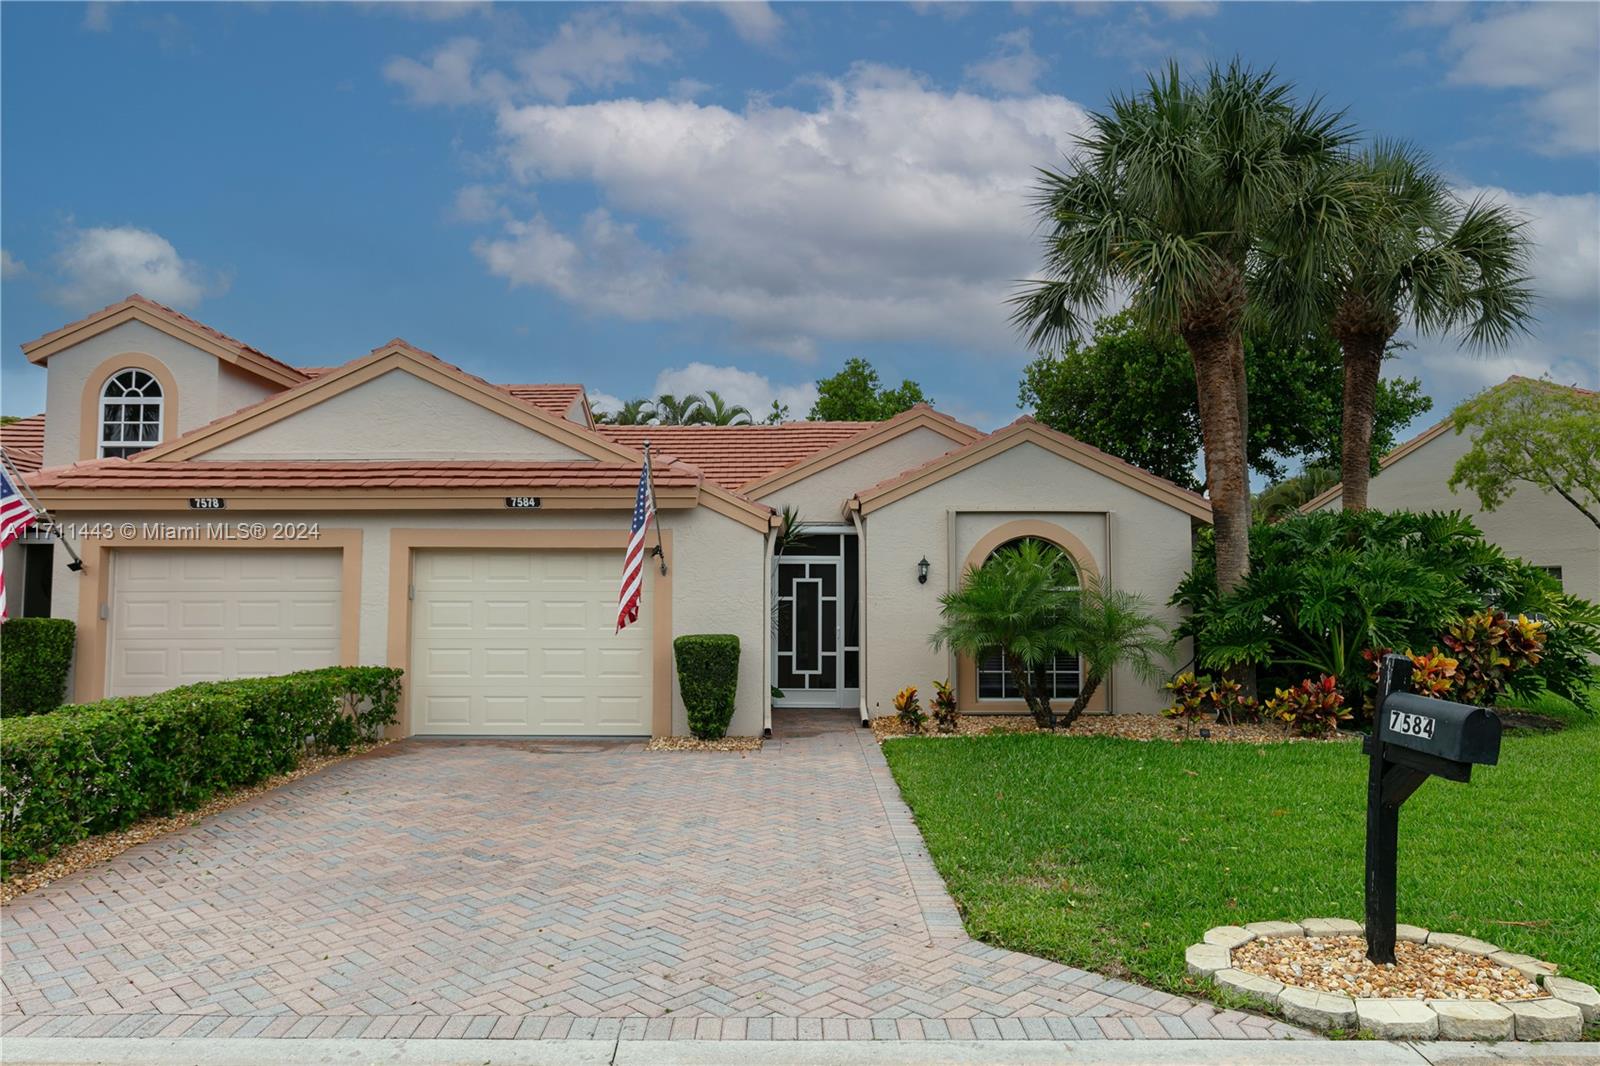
x,y
1173,192
1108,628
718,412
1421,257
1016,601
638,412
672,411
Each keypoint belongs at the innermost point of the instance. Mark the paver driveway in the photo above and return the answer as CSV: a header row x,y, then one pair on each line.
x,y
440,889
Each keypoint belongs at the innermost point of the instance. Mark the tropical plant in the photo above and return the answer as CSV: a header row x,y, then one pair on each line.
x,y
673,410
1285,498
1194,698
716,411
1532,432
1417,257
1107,628
1171,195
909,708
1310,708
636,412
855,394
1489,647
945,715
1189,702
1017,601
777,415
1325,588
1130,391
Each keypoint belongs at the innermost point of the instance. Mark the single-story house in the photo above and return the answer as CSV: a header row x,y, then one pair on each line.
x,y
237,515
1539,527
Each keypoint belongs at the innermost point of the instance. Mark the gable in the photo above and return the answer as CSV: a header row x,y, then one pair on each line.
x,y
821,496
395,415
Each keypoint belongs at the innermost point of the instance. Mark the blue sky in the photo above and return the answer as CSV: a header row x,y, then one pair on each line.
x,y
645,197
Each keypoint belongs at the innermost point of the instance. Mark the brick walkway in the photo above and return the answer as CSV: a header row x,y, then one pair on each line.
x,y
557,891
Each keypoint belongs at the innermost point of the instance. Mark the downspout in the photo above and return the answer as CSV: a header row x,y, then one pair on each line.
x,y
854,507
766,626
1108,582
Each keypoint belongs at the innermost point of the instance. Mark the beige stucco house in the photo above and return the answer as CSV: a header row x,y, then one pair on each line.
x,y
1537,526
237,515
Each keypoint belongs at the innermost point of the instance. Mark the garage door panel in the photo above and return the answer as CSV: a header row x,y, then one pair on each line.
x,y
182,615
541,654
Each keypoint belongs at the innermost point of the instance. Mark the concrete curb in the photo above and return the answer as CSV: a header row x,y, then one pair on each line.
x,y
31,1051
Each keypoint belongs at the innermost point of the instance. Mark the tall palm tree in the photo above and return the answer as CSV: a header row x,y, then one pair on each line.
x,y
1418,257
637,412
718,412
673,411
1174,190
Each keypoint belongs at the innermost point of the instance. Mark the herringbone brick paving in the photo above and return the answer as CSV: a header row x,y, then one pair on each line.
x,y
520,890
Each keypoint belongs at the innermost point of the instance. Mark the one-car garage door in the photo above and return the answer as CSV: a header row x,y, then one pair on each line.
x,y
180,615
522,643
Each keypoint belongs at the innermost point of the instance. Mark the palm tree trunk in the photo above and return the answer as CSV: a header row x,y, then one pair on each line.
x,y
1218,361
1037,697
1091,684
1363,362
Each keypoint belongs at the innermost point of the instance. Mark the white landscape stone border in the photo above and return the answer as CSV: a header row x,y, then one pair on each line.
x,y
1572,1005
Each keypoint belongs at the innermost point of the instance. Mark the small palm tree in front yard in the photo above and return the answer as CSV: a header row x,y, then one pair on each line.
x,y
1109,628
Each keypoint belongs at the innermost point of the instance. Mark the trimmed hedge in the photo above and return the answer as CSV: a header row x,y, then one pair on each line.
x,y
35,654
91,768
708,677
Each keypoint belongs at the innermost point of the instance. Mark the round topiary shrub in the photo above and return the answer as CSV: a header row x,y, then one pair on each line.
x,y
708,677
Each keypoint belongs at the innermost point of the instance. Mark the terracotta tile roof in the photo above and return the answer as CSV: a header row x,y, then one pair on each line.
x,y
26,460
734,456
23,433
173,315
204,474
551,399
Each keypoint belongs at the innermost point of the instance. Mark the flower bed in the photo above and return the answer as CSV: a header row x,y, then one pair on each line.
x,y
1126,726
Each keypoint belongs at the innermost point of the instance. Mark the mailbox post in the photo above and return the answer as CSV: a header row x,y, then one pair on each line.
x,y
1413,738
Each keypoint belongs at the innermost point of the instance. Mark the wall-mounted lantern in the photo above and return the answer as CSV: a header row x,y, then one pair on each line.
x,y
922,571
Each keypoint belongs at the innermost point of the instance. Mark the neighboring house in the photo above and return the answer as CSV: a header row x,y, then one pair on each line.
x,y
237,515
1537,526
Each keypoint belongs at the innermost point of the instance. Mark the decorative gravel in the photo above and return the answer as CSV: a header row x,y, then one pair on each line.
x,y
75,858
1420,971
696,744
1125,726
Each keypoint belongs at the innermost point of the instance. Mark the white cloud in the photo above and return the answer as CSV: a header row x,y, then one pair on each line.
x,y
97,17
102,265
688,89
888,211
1179,10
748,389
447,77
1550,49
1565,233
589,51
476,203
11,267
430,10
1013,67
754,20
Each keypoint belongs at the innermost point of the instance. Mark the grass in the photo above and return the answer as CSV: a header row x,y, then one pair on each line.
x,y
1115,855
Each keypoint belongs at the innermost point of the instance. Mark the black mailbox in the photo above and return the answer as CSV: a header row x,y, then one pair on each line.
x,y
1413,737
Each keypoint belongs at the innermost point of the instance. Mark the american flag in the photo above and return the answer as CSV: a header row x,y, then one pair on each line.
x,y
644,509
15,516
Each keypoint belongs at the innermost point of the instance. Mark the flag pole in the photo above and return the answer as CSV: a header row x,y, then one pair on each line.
x,y
46,518
655,516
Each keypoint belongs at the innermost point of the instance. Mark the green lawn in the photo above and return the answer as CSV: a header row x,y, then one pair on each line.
x,y
1115,855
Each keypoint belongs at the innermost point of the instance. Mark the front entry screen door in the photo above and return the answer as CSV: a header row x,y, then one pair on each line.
x,y
819,624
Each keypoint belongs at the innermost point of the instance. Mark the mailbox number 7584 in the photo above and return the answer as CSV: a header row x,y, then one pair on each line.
x,y
1411,725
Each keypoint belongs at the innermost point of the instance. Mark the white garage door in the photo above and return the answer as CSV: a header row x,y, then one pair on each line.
x,y
521,643
185,615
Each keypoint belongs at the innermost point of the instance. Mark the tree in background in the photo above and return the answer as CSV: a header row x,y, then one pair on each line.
x,y
855,394
1537,432
1284,498
715,411
1172,193
779,414
1130,391
678,411
1417,257
639,412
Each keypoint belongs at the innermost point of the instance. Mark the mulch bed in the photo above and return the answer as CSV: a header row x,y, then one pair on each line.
x,y
1125,726
695,744
1420,971
91,851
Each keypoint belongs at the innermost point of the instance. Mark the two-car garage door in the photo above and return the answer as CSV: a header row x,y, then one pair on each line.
x,y
181,615
523,643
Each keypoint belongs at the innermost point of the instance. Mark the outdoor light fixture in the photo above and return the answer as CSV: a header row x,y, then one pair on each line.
x,y
922,571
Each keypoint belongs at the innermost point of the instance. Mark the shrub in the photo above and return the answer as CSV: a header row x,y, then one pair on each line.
x,y
1310,708
909,709
945,716
708,677
91,768
1490,647
35,654
1189,700
1194,698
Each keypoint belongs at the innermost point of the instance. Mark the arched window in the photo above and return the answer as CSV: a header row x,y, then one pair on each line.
x,y
995,681
130,414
